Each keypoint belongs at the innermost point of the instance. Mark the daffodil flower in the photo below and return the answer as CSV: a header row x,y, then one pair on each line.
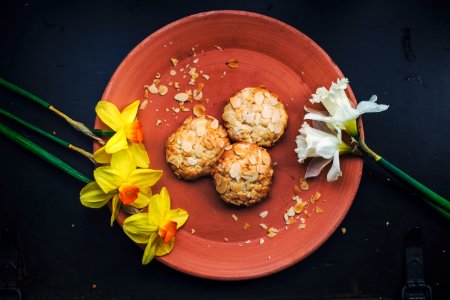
x,y
323,147
122,182
157,228
128,132
341,112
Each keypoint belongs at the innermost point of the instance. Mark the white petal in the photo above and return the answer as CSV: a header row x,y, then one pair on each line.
x,y
371,106
315,166
326,147
335,170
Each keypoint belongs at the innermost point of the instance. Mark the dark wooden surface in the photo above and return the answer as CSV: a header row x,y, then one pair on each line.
x,y
66,53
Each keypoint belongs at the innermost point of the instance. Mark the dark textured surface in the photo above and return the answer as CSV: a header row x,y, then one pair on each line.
x,y
66,53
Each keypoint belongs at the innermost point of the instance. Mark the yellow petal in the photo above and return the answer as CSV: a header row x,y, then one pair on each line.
x,y
163,248
149,251
108,179
140,155
115,208
178,215
101,157
117,142
130,112
138,229
93,196
123,162
141,201
155,216
144,177
110,115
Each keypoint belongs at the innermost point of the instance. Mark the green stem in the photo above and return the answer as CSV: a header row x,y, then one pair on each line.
x,y
75,124
46,134
42,153
437,201
24,93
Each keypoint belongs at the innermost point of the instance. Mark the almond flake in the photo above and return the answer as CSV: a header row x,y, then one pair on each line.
x,y
314,197
152,89
143,104
200,87
174,61
248,241
261,241
158,75
192,230
158,122
271,234
163,90
264,214
298,208
246,226
290,221
297,190
263,226
303,184
290,212
225,239
344,230
234,217
214,124
195,61
205,76
182,97
176,85
301,226
218,47
319,210
156,81
232,63
199,110
172,72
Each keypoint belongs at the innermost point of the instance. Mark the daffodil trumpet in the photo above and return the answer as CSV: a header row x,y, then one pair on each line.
x,y
156,229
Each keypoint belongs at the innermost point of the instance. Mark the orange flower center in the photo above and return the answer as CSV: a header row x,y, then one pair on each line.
x,y
134,132
128,193
167,231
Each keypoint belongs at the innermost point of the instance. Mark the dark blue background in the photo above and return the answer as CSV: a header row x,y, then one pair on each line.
x,y
66,51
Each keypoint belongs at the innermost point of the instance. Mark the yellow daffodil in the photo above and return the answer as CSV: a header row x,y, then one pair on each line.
x,y
157,228
324,146
122,182
128,132
341,112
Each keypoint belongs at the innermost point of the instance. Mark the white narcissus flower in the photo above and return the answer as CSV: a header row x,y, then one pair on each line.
x,y
323,147
341,113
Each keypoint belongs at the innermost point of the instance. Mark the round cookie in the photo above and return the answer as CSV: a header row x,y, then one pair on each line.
x,y
243,174
255,115
195,146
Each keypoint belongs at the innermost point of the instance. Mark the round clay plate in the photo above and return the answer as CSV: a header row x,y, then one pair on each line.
x,y
213,244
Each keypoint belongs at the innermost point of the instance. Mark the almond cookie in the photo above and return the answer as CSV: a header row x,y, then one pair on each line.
x,y
195,146
255,115
243,174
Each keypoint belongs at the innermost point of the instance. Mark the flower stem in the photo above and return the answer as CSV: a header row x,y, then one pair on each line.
x,y
438,202
103,133
42,153
9,115
75,124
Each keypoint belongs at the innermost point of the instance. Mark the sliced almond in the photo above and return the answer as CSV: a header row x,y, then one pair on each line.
x,y
299,207
235,170
174,61
235,102
199,110
187,146
163,90
172,72
235,218
303,184
262,169
264,214
205,76
290,221
153,89
208,144
290,212
319,210
259,98
263,226
314,197
200,127
222,188
214,124
246,226
143,104
192,161
182,97
174,160
232,63
195,61
251,176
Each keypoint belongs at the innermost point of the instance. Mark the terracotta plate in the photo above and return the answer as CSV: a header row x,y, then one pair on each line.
x,y
288,63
